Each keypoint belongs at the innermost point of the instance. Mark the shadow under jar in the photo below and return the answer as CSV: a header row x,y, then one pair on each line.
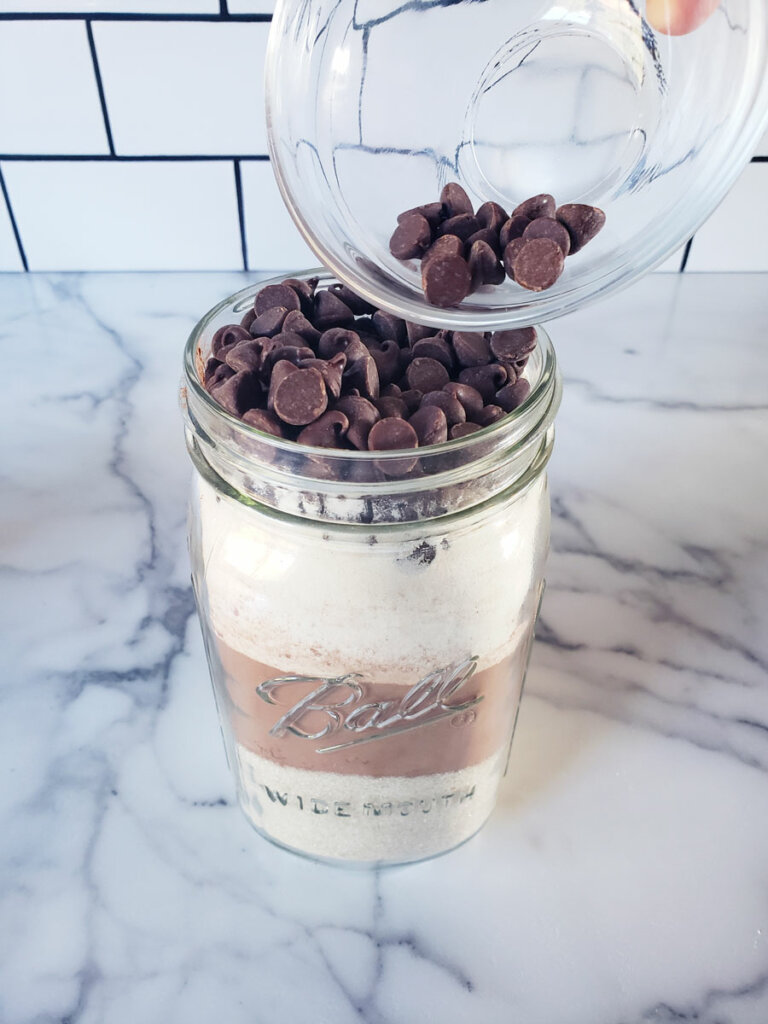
x,y
367,617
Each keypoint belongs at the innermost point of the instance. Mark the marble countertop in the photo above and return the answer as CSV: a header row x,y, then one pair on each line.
x,y
624,878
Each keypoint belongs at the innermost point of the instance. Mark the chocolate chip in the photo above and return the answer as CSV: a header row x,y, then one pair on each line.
x,y
433,212
546,227
248,319
218,374
276,295
451,406
446,280
537,206
270,322
469,397
358,305
461,226
361,373
227,336
513,228
412,398
210,369
445,245
238,393
512,345
471,349
390,391
520,364
513,395
492,216
264,421
387,359
491,239
337,339
297,323
485,379
392,434
330,311
391,407
426,374
280,371
484,265
411,238
455,200
417,332
292,353
300,397
434,348
538,264
245,355
362,415
463,430
305,290
331,371
489,414
583,223
430,425
290,338
510,255
389,326
327,431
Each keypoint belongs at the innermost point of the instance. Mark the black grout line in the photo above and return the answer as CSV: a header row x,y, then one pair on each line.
x,y
100,86
14,226
241,213
686,253
223,9
116,16
127,158
760,160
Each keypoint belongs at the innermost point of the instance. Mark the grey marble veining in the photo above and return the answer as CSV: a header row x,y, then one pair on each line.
x,y
624,878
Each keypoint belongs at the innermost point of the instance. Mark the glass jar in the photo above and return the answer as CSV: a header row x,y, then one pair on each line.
x,y
367,617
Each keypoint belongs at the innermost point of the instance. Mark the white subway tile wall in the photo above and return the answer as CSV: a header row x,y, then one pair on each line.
x,y
272,239
132,137
201,87
126,216
734,236
49,100
10,258
110,6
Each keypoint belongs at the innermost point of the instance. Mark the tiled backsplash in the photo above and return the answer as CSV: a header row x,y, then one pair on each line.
x,y
132,137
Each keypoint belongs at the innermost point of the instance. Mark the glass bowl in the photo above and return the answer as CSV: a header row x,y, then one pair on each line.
x,y
374,105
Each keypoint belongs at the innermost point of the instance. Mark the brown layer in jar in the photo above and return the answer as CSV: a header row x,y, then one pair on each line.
x,y
452,716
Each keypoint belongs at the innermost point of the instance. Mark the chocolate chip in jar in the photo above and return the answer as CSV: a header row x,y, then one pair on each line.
x,y
300,397
426,374
430,424
471,348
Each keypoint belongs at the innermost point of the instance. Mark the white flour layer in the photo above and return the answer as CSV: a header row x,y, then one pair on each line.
x,y
362,818
393,602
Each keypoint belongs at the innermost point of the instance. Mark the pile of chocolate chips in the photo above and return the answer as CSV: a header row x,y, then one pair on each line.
x,y
461,250
325,368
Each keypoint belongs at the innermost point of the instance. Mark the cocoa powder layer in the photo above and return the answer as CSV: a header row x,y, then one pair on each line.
x,y
454,719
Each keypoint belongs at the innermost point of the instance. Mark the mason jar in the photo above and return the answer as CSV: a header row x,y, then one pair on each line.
x,y
367,617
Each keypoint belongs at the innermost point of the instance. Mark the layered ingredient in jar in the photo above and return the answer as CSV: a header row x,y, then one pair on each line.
x,y
367,720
